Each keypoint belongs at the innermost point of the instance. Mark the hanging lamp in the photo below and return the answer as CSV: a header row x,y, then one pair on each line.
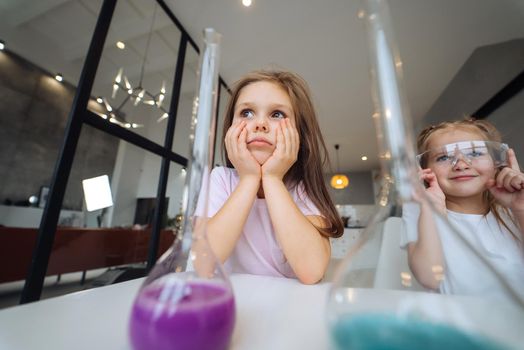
x,y
339,181
138,94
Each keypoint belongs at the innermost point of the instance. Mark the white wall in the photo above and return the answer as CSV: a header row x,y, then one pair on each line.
x,y
509,120
29,217
485,73
124,184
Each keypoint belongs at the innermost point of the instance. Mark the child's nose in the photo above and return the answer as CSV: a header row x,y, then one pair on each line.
x,y
261,124
461,162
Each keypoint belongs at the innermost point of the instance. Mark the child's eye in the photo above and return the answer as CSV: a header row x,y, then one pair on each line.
x,y
475,154
442,158
247,113
278,115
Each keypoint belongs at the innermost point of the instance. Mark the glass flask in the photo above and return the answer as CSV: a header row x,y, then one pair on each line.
x,y
186,302
380,300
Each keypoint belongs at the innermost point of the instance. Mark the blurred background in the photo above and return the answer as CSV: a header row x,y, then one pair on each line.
x,y
459,58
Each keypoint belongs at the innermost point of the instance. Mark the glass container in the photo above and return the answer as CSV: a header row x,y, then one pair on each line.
x,y
186,302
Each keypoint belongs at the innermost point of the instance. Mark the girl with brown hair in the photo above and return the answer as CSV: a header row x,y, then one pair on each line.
x,y
269,210
475,181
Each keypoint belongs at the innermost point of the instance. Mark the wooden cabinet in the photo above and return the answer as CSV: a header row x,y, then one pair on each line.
x,y
76,249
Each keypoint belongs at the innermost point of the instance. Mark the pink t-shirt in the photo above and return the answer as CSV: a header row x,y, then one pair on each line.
x,y
257,250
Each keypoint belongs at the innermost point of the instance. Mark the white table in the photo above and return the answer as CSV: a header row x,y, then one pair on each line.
x,y
272,313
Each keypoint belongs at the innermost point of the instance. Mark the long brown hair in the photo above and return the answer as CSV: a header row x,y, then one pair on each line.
x,y
312,154
487,131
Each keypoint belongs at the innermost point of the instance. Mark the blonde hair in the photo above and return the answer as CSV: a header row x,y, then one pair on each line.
x,y
488,132
312,154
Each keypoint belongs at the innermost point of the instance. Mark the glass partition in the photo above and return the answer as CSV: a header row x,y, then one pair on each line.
x,y
44,37
99,245
139,57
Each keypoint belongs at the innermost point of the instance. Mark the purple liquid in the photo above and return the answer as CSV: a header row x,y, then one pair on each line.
x,y
176,314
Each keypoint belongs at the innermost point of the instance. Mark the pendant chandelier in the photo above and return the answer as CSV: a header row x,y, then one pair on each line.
x,y
137,94
339,181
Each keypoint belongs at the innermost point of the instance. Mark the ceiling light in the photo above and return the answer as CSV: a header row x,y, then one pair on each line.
x,y
364,158
107,105
247,3
59,77
108,114
164,116
138,94
120,45
339,181
2,45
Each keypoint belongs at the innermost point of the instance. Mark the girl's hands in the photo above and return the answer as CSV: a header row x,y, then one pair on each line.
x,y
236,146
285,153
433,191
508,186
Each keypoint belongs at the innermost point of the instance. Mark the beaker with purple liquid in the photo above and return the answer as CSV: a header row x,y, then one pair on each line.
x,y
172,313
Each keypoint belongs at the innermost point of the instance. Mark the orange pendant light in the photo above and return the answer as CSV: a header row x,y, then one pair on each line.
x,y
339,181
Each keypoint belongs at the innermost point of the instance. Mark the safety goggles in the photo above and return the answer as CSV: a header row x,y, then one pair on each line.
x,y
471,152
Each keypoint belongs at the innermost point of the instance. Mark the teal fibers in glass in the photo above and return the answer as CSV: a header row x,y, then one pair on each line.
x,y
387,332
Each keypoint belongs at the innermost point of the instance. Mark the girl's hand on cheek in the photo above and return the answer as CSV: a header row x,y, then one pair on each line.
x,y
285,153
236,146
433,191
508,186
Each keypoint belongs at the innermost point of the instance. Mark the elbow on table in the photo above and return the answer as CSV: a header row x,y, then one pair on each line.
x,y
309,279
311,276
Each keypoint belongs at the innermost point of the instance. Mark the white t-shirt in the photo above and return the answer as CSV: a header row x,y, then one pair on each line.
x,y
257,250
465,273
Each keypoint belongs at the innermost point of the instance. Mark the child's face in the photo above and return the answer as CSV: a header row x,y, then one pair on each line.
x,y
463,179
262,105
